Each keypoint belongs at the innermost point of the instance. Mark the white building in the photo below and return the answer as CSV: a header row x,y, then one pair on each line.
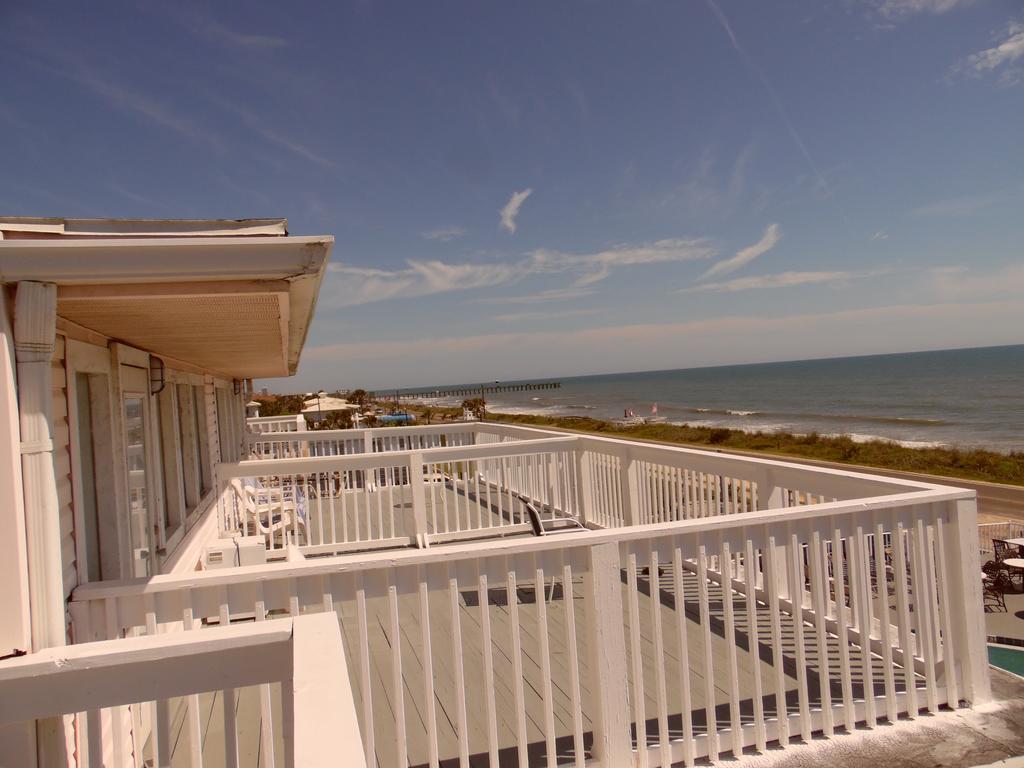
x,y
452,592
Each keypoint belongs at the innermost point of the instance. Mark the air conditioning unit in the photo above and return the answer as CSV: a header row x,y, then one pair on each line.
x,y
236,551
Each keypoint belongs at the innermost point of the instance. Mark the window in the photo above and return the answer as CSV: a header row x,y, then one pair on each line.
x,y
89,501
189,442
202,438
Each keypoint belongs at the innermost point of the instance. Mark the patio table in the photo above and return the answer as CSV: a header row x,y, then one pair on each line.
x,y
1017,564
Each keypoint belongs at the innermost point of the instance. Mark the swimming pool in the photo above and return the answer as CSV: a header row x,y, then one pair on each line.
x,y
1008,658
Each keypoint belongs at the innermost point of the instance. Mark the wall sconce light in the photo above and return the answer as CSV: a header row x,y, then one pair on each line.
x,y
156,375
237,385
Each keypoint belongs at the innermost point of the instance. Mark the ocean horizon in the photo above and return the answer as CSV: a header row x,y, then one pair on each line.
x,y
970,398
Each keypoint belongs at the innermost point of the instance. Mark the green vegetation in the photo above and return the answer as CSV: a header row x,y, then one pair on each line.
x,y
971,464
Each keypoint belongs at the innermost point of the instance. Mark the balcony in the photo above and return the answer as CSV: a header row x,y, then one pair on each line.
x,y
510,596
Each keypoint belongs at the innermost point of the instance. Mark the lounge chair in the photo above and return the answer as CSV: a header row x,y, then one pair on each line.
x,y
271,511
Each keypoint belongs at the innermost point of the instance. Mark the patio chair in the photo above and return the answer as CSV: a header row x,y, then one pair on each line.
x,y
995,587
270,511
1002,550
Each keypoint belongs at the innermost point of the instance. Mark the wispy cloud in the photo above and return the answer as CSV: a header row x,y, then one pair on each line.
x,y
768,240
204,26
711,184
444,234
510,212
780,280
879,235
956,282
258,124
756,70
136,197
1002,57
518,317
538,297
898,9
595,267
953,207
351,286
63,64
216,32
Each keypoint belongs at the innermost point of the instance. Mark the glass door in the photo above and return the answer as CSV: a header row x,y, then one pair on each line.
x,y
135,411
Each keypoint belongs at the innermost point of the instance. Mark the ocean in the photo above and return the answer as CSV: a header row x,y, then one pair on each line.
x,y
961,397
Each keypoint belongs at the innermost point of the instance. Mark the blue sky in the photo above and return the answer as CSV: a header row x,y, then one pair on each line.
x,y
547,189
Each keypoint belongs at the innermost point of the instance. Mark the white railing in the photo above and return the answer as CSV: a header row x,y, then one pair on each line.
x,y
345,442
740,630
126,695
400,498
274,424
507,483
989,532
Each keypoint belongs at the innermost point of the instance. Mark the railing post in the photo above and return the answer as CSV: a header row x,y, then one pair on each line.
x,y
773,495
584,483
607,640
969,640
323,729
367,441
419,498
630,485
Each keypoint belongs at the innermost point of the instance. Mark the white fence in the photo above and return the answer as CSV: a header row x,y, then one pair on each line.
x,y
508,482
275,424
401,498
126,693
989,532
345,442
644,645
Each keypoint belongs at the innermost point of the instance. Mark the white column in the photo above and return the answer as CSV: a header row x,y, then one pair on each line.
x,y
584,484
35,319
419,498
15,631
34,335
969,640
607,641
17,741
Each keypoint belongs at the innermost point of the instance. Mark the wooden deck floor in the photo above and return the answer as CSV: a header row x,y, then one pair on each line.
x,y
384,692
444,676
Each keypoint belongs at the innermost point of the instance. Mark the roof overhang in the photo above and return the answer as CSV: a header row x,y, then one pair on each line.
x,y
238,306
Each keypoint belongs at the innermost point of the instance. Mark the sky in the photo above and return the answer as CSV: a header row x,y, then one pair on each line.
x,y
538,189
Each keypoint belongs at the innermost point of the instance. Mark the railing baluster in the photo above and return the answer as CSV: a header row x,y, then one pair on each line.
x,y
819,593
569,603
750,579
684,655
735,725
397,685
711,716
839,580
796,596
659,656
428,668
517,669
636,659
483,600
547,697
885,623
772,588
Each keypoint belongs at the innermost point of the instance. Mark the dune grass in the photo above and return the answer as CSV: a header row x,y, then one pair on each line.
x,y
967,463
